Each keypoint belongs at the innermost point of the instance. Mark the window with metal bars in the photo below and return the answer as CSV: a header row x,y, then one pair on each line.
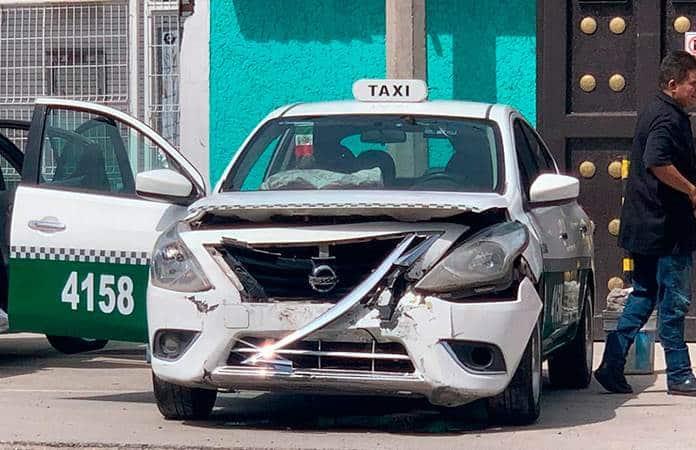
x,y
77,51
163,107
82,50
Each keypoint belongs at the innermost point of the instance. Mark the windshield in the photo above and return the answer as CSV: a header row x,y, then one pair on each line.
x,y
370,152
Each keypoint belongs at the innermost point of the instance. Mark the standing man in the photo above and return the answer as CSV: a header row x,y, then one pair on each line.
x,y
658,228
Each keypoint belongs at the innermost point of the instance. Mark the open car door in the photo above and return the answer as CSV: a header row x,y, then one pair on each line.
x,y
12,133
81,233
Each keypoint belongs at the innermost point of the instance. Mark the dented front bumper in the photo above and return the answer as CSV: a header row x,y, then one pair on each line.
x,y
422,326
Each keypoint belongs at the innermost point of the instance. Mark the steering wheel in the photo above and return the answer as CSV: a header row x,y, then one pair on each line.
x,y
437,180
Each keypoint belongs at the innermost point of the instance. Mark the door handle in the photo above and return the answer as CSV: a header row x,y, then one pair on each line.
x,y
564,235
47,225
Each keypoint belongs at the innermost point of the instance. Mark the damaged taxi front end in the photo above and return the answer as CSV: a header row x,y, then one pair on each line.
x,y
347,293
403,248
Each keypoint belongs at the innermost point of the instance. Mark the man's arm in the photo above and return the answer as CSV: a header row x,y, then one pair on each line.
x,y
670,176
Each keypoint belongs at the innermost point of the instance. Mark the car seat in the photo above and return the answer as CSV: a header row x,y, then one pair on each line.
x,y
91,170
370,159
471,161
336,158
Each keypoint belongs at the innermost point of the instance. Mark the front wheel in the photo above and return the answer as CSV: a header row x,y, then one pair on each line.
x,y
71,345
571,365
181,402
520,402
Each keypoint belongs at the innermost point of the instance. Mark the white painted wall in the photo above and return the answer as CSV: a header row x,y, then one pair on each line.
x,y
194,88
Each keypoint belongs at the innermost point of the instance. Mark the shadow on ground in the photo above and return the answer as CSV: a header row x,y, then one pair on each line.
x,y
25,354
560,408
307,413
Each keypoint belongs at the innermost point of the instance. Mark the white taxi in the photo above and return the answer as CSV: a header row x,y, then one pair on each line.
x,y
389,245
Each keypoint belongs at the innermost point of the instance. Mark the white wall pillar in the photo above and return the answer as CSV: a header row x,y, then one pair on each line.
x,y
406,60
195,87
406,39
133,50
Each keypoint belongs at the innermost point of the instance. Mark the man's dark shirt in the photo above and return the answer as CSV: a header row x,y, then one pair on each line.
x,y
656,219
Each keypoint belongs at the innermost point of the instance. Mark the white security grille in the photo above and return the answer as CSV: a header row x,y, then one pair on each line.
x,y
77,51
87,50
171,5
162,68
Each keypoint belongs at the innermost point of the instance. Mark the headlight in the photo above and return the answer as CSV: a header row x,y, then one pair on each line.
x,y
480,265
173,266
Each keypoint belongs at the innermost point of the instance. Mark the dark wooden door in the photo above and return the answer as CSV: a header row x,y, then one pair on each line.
x,y
598,64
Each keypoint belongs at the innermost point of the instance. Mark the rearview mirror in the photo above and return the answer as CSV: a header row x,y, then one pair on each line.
x,y
552,187
164,184
383,136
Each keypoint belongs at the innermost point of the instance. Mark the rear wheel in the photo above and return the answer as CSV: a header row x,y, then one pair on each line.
x,y
72,345
520,402
182,403
571,365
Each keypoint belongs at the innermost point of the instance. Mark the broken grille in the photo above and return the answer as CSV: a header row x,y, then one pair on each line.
x,y
315,272
371,356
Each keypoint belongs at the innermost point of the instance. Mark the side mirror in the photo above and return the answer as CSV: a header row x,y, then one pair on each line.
x,y
165,184
551,187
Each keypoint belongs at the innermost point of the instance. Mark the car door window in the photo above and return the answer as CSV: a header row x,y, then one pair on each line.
x,y
528,165
91,152
12,142
440,152
543,158
10,176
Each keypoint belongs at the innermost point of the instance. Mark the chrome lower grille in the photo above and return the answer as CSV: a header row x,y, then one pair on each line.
x,y
373,356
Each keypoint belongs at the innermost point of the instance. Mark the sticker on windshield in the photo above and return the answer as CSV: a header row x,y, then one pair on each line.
x,y
304,140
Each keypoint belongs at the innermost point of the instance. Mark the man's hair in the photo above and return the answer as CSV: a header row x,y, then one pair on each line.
x,y
676,66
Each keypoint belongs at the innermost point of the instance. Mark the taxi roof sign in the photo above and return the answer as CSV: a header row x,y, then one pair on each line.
x,y
371,90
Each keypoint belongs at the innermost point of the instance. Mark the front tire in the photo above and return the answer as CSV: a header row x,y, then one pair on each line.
x,y
181,402
520,402
571,366
71,345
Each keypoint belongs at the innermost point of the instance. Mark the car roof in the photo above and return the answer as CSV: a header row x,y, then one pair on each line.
x,y
451,108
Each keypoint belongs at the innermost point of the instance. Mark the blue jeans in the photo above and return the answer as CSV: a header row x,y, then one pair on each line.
x,y
665,282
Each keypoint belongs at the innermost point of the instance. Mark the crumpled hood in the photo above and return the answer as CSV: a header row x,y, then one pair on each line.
x,y
400,205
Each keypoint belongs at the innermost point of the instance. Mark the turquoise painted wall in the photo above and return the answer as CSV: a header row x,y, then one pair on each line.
x,y
483,50
264,54
267,53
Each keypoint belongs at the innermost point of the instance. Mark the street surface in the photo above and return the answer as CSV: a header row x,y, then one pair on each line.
x,y
104,399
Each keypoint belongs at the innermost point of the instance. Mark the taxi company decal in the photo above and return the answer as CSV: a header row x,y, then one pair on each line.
x,y
80,255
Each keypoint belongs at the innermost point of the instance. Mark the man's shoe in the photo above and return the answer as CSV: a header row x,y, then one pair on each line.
x,y
613,380
687,387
